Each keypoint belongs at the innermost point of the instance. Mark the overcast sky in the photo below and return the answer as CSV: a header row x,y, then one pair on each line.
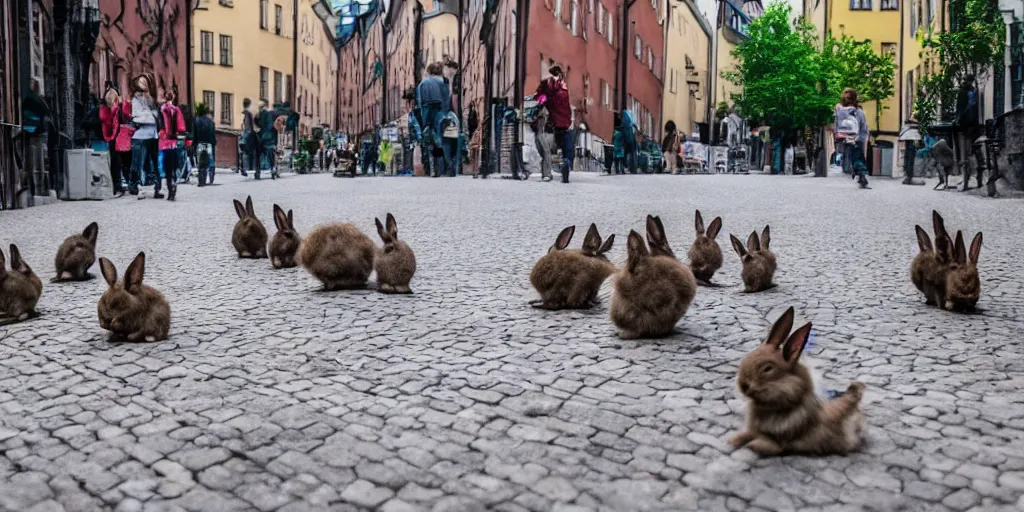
x,y
708,7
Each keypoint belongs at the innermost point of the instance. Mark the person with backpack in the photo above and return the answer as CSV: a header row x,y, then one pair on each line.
x,y
670,148
553,94
968,127
114,119
145,147
249,140
852,129
205,138
173,124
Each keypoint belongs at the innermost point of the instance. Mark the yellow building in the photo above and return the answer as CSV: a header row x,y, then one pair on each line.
x,y
687,56
242,49
316,92
440,31
876,20
731,20
921,19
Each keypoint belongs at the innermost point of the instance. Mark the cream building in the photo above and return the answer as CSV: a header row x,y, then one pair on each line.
x,y
242,49
316,92
687,60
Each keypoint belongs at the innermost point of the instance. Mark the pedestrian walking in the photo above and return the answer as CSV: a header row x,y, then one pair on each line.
x,y
249,140
145,146
968,128
852,128
268,140
544,139
33,128
670,148
205,138
553,93
434,100
173,124
117,134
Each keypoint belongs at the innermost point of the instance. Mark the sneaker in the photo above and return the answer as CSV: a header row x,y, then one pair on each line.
x,y
156,195
171,193
141,195
133,191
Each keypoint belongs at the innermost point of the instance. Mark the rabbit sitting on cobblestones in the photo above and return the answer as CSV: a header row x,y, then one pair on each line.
x,y
758,261
286,241
570,279
19,289
76,255
784,414
395,262
131,309
705,254
338,255
249,236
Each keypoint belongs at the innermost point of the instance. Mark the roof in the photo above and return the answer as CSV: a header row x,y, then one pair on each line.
x,y
704,24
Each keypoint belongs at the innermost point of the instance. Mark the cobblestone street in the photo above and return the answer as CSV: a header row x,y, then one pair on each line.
x,y
272,395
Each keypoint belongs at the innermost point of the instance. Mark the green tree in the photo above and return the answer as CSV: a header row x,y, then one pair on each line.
x,y
855,64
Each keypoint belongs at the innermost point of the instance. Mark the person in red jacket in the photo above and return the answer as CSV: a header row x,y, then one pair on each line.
x,y
553,94
174,123
114,115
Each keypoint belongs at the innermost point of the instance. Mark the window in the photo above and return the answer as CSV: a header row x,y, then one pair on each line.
x,y
264,15
672,81
611,28
287,88
890,5
558,10
915,18
209,99
889,49
278,19
225,50
650,58
599,22
638,47
860,5
206,47
264,78
225,108
606,95
278,87
574,25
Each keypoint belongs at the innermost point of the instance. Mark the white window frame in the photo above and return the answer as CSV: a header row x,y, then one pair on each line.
x,y
638,47
574,24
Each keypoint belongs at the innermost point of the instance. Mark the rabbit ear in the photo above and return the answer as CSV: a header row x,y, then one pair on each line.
x,y
109,271
564,238
133,276
959,250
975,248
753,243
384,236
714,228
91,233
780,329
291,221
280,219
592,242
248,207
737,246
699,223
17,263
239,209
655,231
392,226
607,245
923,240
3,266
795,344
944,248
766,238
637,250
938,224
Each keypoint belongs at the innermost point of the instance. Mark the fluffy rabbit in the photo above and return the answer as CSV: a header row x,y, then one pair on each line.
x,y
19,289
653,291
784,414
929,269
130,309
339,255
570,279
656,238
705,254
963,286
758,261
249,236
76,255
286,241
395,263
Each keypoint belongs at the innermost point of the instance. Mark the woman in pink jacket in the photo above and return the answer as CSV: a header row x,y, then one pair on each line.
x,y
174,123
115,113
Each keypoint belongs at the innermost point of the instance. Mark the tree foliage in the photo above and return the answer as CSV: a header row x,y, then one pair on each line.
x,y
852,63
784,77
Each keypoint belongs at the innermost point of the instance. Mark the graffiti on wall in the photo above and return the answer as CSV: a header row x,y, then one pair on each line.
x,y
144,36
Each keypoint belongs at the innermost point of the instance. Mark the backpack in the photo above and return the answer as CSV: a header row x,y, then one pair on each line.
x,y
848,126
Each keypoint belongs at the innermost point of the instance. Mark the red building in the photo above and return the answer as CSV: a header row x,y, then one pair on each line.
x,y
645,65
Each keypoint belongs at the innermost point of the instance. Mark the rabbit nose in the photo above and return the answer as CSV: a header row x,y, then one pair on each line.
x,y
744,387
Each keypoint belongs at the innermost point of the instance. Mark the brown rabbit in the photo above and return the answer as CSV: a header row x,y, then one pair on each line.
x,y
286,241
76,255
784,415
395,263
19,289
339,255
705,254
758,261
571,279
659,245
130,309
963,286
652,292
929,269
249,236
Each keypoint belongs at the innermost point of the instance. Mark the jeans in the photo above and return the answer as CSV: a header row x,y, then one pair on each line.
x,y
120,169
563,139
144,163
543,140
171,165
855,155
